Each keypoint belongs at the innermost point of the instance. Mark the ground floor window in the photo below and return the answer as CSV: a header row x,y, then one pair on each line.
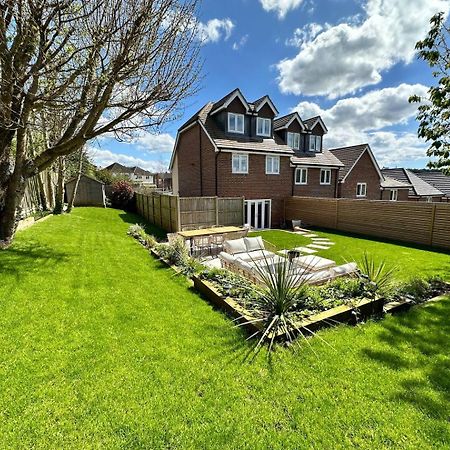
x,y
361,189
393,196
257,213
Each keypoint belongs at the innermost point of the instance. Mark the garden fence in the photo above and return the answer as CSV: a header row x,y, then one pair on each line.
x,y
415,222
173,213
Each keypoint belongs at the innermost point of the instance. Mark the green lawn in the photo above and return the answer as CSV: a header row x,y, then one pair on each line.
x,y
409,260
102,347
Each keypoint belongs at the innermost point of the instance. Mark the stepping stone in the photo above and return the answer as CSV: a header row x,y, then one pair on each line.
x,y
321,239
315,241
320,247
283,252
301,232
311,235
306,250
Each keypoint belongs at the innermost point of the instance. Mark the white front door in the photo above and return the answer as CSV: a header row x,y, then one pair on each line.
x,y
258,213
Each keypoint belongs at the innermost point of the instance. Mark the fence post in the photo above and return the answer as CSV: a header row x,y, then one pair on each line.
x,y
433,216
217,210
336,223
178,214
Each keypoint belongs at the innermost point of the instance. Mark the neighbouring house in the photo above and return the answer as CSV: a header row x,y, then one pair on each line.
x,y
163,181
135,174
361,177
90,192
437,179
234,147
420,189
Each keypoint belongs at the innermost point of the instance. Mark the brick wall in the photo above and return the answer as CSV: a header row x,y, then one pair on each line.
x,y
314,188
363,172
256,184
401,196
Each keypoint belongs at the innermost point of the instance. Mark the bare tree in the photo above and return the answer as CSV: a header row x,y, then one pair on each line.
x,y
102,66
71,200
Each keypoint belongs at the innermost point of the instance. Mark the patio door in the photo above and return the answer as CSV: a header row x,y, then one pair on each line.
x,y
258,213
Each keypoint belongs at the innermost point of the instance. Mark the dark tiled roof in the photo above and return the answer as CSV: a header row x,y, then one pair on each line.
x,y
348,156
326,158
310,122
256,103
419,186
282,121
223,100
436,178
240,142
139,171
118,168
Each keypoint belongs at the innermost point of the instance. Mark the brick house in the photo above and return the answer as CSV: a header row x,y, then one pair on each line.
x,y
361,177
419,190
238,148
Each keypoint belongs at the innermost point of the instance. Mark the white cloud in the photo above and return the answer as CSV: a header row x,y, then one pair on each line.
x,y
344,58
239,44
363,119
155,143
308,32
103,158
214,30
281,7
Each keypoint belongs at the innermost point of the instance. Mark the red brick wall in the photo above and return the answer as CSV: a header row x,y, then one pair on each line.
x,y
256,184
188,160
363,172
314,188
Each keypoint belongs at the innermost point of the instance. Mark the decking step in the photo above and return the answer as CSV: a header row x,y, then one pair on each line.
x,y
320,247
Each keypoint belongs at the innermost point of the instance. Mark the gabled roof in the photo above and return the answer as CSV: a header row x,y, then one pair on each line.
x,y
436,178
391,183
313,121
258,104
285,121
350,157
225,101
325,158
138,171
419,187
118,168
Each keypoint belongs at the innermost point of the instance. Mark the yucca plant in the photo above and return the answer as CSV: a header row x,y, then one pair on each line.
x,y
282,289
380,276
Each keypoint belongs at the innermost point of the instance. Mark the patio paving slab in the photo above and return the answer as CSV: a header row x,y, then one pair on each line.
x,y
307,250
320,247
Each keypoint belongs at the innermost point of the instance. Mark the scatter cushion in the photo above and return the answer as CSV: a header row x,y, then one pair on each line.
x,y
256,255
254,244
235,246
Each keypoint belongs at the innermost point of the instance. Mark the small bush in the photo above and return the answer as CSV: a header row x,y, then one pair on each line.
x,y
122,195
380,277
138,232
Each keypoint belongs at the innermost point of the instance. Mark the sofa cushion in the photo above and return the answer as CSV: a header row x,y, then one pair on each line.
x,y
255,255
314,263
235,246
243,264
227,258
254,243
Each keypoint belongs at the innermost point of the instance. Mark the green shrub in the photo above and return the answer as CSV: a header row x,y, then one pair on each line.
x,y
379,276
122,194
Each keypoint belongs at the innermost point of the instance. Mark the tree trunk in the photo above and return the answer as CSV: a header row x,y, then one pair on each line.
x,y
59,200
77,182
51,190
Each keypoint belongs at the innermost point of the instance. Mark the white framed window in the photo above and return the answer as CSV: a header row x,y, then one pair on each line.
x,y
393,195
361,189
293,140
239,163
272,165
263,127
301,176
315,143
325,176
236,123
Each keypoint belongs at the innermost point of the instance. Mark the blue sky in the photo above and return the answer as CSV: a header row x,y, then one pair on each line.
x,y
351,61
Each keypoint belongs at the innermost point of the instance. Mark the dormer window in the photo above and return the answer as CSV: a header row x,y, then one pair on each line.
x,y
263,127
293,140
315,143
236,123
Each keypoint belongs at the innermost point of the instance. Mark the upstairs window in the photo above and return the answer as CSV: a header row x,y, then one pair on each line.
x,y
361,189
325,176
393,195
263,127
239,163
293,140
272,165
236,123
315,143
301,176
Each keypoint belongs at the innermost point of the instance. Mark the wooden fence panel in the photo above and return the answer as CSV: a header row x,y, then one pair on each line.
x,y
197,212
441,225
415,222
230,211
